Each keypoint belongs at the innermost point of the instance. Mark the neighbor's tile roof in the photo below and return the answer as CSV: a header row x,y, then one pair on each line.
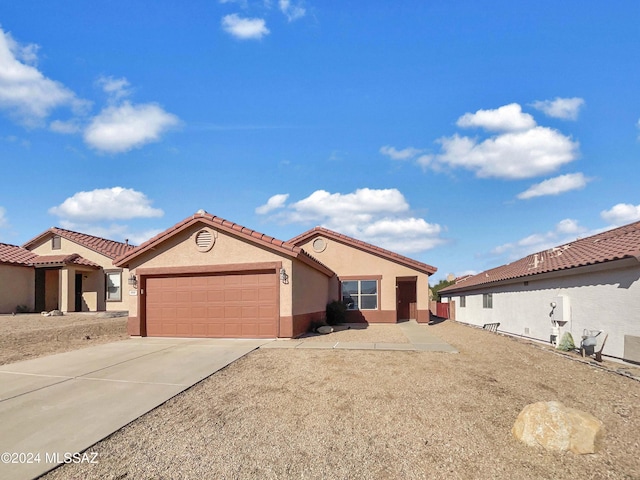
x,y
616,244
13,254
108,248
367,247
231,227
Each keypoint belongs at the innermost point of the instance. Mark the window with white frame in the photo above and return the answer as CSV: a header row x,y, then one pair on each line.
x,y
114,286
463,301
487,300
360,294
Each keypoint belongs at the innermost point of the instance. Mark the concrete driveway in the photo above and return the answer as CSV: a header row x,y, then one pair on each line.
x,y
56,406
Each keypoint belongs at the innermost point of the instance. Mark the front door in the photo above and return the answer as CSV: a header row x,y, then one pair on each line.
x,y
406,300
78,305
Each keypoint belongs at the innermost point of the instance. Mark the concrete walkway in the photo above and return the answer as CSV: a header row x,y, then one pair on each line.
x,y
63,404
419,336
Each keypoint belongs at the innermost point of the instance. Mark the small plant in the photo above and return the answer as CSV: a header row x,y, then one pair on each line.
x,y
567,344
22,309
336,313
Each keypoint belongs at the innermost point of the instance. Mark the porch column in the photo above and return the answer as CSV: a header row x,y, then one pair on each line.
x,y
67,289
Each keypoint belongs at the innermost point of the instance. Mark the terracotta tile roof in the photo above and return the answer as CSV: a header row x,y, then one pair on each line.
x,y
616,244
13,254
74,258
225,225
367,247
108,248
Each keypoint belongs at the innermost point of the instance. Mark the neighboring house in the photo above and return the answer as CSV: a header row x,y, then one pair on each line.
x,y
74,272
208,277
17,278
592,283
379,286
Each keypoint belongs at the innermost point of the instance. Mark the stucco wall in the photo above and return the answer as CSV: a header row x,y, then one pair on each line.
x,y
598,299
311,289
18,288
95,279
180,251
348,261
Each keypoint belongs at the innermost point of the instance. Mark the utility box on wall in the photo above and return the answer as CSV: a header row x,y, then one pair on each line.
x,y
560,310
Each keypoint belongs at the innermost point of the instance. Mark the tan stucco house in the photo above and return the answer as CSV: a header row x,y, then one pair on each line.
x,y
74,272
209,277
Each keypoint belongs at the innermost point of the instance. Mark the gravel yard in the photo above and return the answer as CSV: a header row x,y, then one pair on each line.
x,y
376,414
26,336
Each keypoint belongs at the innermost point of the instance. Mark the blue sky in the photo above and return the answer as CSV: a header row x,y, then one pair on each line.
x,y
463,134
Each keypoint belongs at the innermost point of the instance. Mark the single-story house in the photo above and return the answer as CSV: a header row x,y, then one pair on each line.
x,y
209,277
585,286
377,285
62,270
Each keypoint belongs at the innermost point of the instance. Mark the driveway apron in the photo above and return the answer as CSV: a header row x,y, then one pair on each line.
x,y
54,407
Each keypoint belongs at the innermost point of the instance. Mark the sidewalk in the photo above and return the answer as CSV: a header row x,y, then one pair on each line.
x,y
419,338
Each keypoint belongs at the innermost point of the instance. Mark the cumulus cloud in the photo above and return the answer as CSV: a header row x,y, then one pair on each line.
x,y
621,214
290,10
508,118
379,216
275,202
404,154
564,108
520,149
120,128
555,186
25,93
116,88
244,28
65,127
115,203
565,231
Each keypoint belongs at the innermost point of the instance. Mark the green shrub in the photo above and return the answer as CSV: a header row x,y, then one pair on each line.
x,y
567,344
336,313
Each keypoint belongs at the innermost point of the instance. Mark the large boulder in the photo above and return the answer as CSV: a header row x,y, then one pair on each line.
x,y
555,427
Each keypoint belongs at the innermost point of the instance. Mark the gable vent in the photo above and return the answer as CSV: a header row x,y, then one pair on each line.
x,y
204,240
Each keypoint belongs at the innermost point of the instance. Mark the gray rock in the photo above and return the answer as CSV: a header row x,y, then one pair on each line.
x,y
324,329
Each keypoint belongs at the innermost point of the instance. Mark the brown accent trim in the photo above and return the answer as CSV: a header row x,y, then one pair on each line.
x,y
285,327
302,322
360,277
133,327
407,279
424,316
217,268
371,316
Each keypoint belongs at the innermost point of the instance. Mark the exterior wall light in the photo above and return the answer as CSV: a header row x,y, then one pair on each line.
x,y
133,281
283,276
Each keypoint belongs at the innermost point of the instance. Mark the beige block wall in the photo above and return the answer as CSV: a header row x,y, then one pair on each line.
x,y
348,261
181,251
311,289
95,282
18,288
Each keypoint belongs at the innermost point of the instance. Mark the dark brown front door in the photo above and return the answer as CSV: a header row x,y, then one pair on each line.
x,y
406,300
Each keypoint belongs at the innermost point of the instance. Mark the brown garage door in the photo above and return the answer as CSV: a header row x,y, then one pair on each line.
x,y
242,305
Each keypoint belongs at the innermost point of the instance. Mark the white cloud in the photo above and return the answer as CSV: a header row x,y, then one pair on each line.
x,y
123,127
115,203
565,231
275,202
621,214
508,118
116,88
3,217
244,28
66,128
25,92
404,154
564,108
381,217
291,11
555,186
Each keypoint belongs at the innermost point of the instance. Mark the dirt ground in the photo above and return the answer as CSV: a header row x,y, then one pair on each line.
x,y
339,414
26,336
